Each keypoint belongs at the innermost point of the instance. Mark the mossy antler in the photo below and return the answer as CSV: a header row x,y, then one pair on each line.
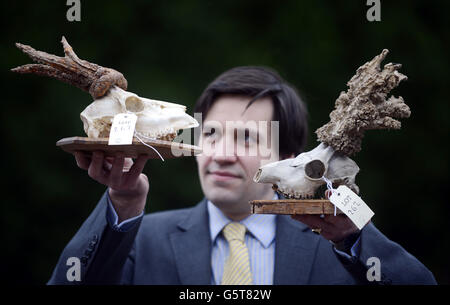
x,y
90,77
364,106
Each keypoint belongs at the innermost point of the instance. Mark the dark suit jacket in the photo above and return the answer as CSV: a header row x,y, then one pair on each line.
x,y
174,247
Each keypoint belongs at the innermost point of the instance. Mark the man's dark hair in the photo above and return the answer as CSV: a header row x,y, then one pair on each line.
x,y
258,82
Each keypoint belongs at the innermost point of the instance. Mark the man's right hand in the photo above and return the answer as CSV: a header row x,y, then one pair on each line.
x,y
128,186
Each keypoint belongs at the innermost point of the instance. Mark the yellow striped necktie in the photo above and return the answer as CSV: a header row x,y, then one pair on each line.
x,y
237,267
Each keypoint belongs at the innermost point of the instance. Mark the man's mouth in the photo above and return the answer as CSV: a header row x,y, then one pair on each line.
x,y
223,175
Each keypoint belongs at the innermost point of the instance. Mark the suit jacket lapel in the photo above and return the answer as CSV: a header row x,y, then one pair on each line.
x,y
295,249
192,247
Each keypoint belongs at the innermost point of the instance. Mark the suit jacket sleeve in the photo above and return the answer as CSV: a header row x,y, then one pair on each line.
x,y
397,266
104,253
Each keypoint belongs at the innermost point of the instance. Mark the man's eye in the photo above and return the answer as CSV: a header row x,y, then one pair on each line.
x,y
250,138
246,135
208,133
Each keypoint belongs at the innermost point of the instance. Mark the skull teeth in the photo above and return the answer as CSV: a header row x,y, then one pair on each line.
x,y
291,195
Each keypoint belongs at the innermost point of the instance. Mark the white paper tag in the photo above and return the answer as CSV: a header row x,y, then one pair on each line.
x,y
352,205
122,129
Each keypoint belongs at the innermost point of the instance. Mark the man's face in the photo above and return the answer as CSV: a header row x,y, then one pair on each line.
x,y
231,156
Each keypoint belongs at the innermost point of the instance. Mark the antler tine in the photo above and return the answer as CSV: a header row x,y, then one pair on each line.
x,y
38,56
364,106
70,53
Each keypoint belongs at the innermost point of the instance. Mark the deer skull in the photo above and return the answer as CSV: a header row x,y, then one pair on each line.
x,y
363,107
156,119
301,177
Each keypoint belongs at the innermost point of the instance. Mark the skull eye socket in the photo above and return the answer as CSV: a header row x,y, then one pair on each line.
x,y
133,104
315,169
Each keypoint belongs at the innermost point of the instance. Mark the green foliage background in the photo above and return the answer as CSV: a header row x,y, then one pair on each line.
x,y
170,50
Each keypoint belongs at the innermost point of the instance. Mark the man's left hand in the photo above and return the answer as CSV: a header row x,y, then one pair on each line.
x,y
334,228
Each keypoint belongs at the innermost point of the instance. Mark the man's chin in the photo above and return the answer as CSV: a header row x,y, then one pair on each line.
x,y
223,199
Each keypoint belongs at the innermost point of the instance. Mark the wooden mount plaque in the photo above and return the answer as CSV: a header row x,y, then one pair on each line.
x,y
165,148
293,207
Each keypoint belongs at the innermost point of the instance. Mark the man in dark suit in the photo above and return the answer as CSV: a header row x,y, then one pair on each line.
x,y
219,241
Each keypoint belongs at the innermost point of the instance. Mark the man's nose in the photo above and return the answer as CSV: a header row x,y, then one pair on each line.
x,y
225,151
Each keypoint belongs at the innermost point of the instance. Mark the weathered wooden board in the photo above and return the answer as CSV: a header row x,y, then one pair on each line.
x,y
165,148
293,206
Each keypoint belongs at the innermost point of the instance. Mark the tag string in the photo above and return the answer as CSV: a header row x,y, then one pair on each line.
x,y
137,134
330,188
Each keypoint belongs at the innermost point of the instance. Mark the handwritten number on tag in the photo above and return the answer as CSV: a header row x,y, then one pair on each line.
x,y
352,206
122,129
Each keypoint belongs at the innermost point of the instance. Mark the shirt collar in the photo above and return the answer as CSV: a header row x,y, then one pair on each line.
x,y
261,226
